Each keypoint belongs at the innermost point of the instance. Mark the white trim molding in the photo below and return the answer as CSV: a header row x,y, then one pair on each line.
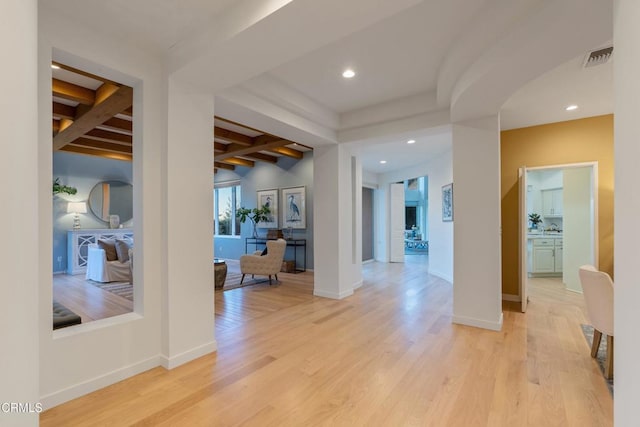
x,y
332,295
511,297
479,323
188,356
56,398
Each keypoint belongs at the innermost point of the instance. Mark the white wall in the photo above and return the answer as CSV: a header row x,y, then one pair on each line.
x,y
578,236
626,68
477,291
18,172
188,312
81,359
440,172
337,226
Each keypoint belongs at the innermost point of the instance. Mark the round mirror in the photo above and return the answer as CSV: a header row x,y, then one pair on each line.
x,y
112,198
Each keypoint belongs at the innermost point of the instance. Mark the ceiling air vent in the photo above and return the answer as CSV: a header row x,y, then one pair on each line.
x,y
598,57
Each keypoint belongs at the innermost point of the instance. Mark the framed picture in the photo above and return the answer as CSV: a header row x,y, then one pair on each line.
x,y
269,198
294,210
447,202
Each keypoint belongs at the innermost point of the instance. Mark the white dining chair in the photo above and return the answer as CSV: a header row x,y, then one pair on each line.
x,y
597,288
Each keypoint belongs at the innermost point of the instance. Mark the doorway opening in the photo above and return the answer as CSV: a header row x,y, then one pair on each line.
x,y
416,199
558,223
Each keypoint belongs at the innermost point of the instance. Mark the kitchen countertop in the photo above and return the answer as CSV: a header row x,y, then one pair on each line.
x,y
547,235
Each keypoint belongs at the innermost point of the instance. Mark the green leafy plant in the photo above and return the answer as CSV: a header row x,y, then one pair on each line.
x,y
59,188
256,215
534,219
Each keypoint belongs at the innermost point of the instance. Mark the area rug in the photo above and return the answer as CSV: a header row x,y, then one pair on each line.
x,y
122,289
587,330
233,281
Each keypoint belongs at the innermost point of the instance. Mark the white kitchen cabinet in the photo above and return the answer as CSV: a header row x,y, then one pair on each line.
x,y
558,255
543,261
546,256
552,205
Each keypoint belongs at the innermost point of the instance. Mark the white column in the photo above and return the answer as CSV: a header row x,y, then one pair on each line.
x,y
337,260
476,203
627,210
188,325
19,381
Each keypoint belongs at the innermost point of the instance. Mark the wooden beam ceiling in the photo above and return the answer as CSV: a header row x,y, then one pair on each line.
x,y
223,166
234,150
98,153
240,145
239,162
64,111
100,113
71,92
263,157
289,152
230,136
90,126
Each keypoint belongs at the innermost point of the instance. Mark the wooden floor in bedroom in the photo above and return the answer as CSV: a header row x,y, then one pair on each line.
x,y
386,356
86,300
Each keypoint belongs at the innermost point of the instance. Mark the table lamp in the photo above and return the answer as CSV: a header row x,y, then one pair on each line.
x,y
76,208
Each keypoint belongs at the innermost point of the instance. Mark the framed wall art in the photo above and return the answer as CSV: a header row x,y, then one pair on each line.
x,y
294,210
447,202
269,198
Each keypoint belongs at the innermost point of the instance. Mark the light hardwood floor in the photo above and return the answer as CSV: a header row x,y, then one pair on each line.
x,y
387,356
86,300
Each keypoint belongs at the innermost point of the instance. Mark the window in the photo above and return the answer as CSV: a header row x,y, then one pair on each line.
x,y
226,201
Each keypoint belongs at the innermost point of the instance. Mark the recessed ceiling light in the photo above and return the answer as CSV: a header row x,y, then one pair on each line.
x,y
348,73
571,107
382,162
55,67
411,141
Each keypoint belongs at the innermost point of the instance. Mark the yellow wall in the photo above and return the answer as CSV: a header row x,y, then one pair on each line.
x,y
576,141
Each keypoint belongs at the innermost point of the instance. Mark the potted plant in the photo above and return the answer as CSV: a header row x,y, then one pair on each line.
x,y
534,219
256,215
59,188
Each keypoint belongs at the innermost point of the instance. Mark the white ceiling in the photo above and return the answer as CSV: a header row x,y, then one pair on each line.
x,y
156,25
430,143
544,99
541,101
397,57
400,55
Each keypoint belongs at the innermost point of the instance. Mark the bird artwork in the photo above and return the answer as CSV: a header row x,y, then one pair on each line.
x,y
294,212
267,205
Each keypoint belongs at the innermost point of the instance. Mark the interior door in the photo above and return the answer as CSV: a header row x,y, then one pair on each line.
x,y
578,220
523,220
396,219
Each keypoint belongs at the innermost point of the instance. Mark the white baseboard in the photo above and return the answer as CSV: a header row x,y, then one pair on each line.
x,y
368,261
479,323
357,285
511,297
85,387
332,295
188,356
441,275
